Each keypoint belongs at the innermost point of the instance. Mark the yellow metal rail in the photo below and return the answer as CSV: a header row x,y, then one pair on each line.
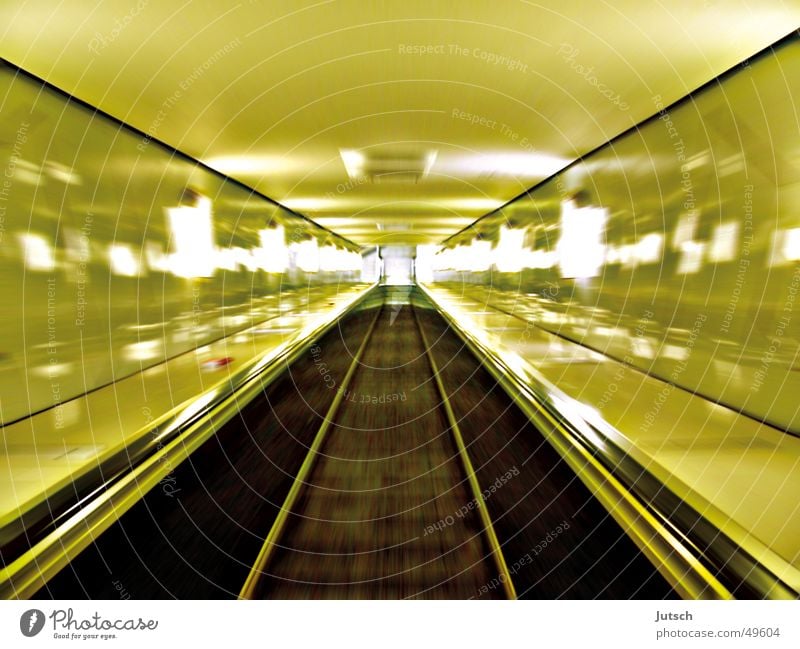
x,y
488,527
184,432
271,542
677,562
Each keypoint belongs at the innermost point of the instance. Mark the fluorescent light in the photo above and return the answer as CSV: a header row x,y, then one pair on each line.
x,y
476,257
509,255
247,164
791,244
245,258
469,203
425,260
684,230
785,246
309,203
648,249
273,256
691,257
337,259
581,250
144,350
157,259
122,261
543,259
38,253
193,238
328,258
515,164
226,259
724,243
307,255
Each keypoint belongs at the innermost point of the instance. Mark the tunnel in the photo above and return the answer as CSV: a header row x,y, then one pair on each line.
x,y
387,301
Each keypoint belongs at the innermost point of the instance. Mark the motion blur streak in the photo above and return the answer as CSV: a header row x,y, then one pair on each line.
x,y
106,244
683,253
406,299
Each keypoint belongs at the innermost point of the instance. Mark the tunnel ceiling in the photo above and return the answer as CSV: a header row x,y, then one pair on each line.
x,y
395,122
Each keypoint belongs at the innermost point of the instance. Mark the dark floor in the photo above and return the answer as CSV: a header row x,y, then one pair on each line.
x,y
593,557
381,517
389,471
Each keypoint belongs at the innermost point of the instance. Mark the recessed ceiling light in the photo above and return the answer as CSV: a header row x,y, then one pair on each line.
x,y
406,164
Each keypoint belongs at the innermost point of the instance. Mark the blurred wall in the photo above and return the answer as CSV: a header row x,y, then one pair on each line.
x,y
115,253
674,248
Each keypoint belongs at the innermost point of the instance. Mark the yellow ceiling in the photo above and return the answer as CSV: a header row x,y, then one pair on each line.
x,y
503,93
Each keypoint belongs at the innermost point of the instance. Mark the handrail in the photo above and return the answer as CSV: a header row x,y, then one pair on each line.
x,y
472,478
270,542
173,438
606,473
747,563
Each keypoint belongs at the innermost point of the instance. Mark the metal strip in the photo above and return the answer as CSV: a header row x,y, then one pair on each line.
x,y
486,520
672,556
185,433
271,542
730,548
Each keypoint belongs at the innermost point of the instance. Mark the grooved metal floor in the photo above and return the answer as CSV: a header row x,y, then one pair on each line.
x,y
388,472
